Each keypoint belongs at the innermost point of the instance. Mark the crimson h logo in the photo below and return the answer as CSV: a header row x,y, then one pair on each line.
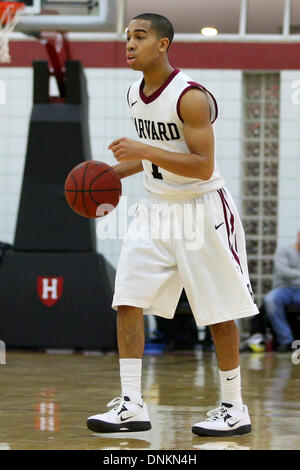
x,y
49,289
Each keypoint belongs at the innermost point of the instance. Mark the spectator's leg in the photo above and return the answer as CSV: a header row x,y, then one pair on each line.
x,y
296,300
275,302
296,295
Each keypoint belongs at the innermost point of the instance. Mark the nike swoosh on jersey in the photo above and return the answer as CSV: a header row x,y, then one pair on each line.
x,y
217,226
132,104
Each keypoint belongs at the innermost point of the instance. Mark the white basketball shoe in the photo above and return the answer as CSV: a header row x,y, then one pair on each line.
x,y
226,420
126,416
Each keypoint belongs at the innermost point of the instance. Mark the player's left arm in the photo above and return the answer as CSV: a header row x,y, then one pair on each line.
x,y
199,137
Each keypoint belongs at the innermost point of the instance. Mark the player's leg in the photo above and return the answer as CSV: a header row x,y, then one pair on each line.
x,y
226,340
129,412
130,331
138,288
231,417
131,342
216,281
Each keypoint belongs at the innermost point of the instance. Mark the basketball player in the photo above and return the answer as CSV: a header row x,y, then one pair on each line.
x,y
173,118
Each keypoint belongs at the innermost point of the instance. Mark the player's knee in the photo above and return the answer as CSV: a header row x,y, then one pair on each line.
x,y
127,309
223,326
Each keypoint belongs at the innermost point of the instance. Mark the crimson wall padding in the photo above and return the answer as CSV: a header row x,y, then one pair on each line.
x,y
55,290
75,314
58,140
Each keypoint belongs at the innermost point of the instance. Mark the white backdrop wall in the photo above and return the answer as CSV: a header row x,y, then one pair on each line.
x,y
110,118
289,158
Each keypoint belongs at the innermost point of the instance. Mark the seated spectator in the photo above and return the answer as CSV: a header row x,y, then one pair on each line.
x,y
286,291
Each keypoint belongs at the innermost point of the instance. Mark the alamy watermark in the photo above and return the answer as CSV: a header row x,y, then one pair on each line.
x,y
296,354
296,94
2,352
156,221
2,92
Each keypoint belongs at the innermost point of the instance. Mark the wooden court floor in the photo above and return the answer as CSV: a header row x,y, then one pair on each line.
x,y
46,398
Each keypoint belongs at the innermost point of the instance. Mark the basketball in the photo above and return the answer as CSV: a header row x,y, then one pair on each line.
x,y
91,184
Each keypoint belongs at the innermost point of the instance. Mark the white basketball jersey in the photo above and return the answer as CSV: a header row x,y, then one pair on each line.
x,y
158,122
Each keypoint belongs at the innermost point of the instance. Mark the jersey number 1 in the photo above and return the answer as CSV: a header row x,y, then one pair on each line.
x,y
156,174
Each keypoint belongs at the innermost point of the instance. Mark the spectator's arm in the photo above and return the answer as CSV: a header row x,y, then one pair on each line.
x,y
282,267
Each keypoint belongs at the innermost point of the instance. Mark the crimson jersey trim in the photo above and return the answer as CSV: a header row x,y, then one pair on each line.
x,y
208,94
157,93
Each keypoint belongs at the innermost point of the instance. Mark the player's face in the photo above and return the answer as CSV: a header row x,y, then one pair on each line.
x,y
144,47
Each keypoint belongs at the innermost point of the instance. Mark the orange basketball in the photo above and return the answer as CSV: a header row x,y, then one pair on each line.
x,y
91,184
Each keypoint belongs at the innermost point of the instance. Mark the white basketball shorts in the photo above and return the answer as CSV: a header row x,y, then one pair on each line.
x,y
196,244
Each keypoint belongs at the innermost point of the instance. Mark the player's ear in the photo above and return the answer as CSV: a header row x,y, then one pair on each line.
x,y
163,45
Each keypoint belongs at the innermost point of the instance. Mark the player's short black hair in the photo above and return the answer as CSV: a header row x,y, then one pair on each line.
x,y
159,23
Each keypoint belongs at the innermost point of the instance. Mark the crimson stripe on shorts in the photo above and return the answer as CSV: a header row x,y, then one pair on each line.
x,y
231,214
225,216
222,191
234,252
224,204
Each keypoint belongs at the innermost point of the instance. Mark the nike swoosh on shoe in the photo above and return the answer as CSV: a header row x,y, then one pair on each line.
x,y
125,419
233,424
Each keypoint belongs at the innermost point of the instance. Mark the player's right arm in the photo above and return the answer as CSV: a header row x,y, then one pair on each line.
x,y
128,168
198,136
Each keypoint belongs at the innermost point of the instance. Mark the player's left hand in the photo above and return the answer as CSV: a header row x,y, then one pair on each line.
x,y
125,149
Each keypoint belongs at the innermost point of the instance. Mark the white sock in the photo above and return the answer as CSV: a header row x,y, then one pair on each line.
x,y
231,387
131,377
